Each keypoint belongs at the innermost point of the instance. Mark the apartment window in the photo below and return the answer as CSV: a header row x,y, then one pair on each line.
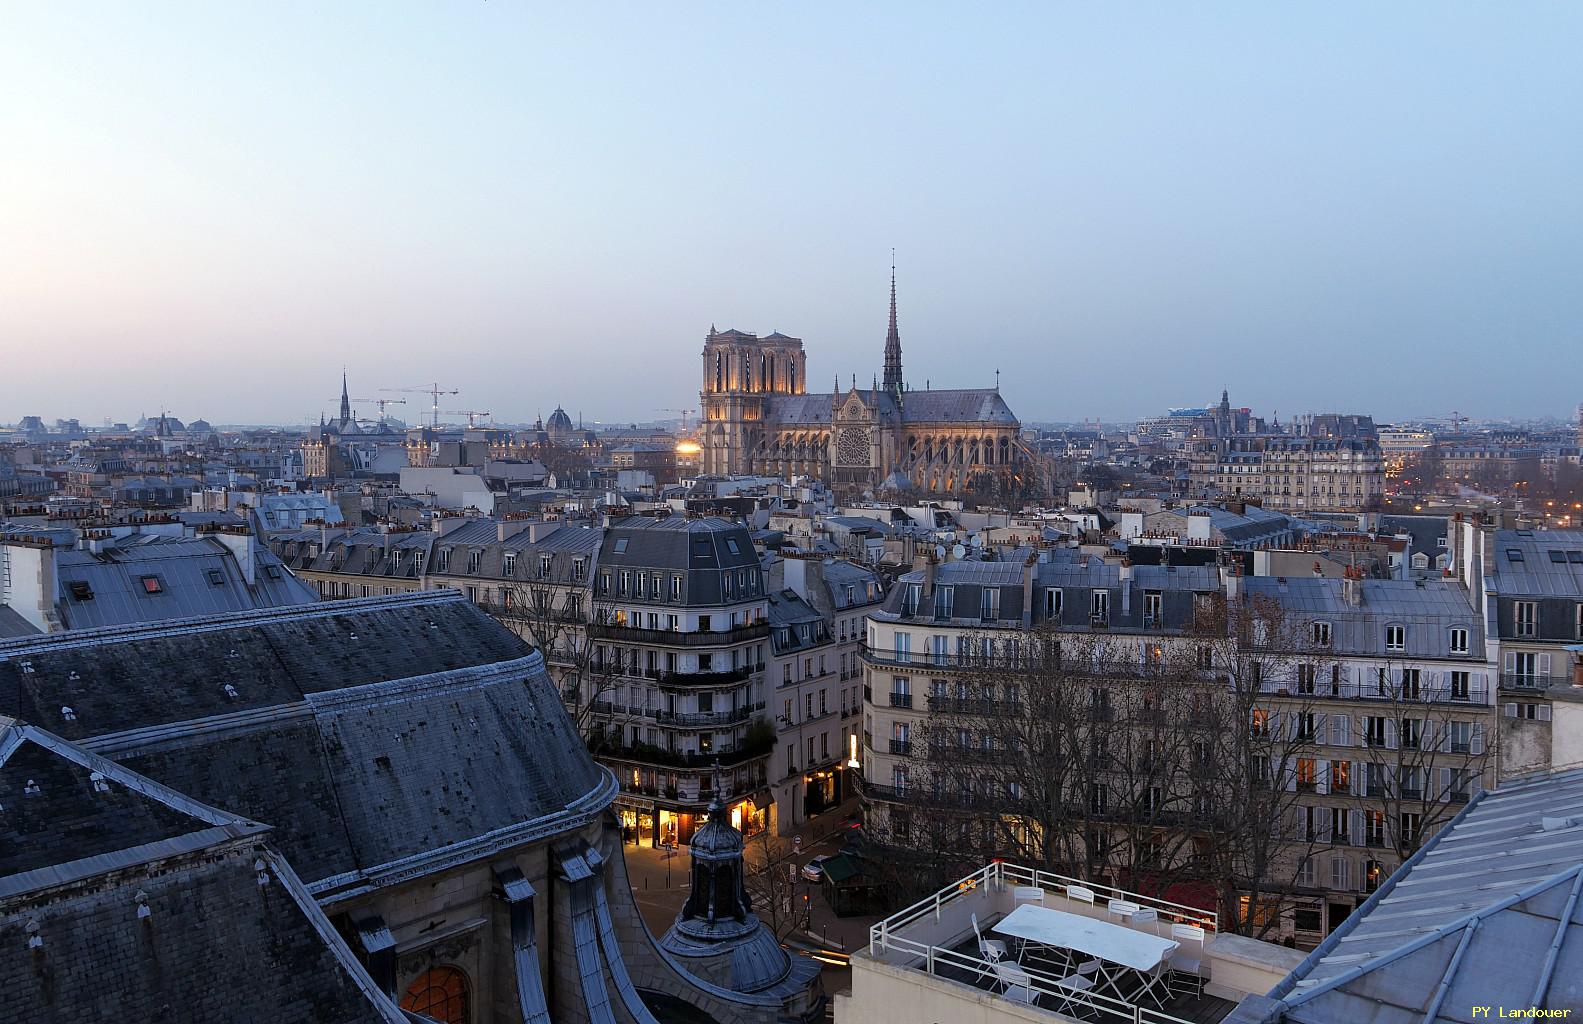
x,y
474,560
944,602
1341,777
1411,824
1374,730
1396,638
1320,633
1098,798
903,646
1307,773
1412,688
1527,618
1305,678
445,559
1151,607
1101,605
1052,602
1580,621
1459,640
1340,873
1374,828
579,567
604,583
1460,689
910,599
1412,733
1259,722
624,586
898,779
1460,735
508,564
807,705
990,609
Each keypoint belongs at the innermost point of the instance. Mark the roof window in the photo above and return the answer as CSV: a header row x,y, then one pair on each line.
x,y
216,578
153,585
621,545
1557,555
1514,554
80,590
731,546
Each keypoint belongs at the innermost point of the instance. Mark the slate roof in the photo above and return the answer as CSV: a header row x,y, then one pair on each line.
x,y
87,847
1489,908
1427,608
185,569
969,405
1526,563
367,731
13,624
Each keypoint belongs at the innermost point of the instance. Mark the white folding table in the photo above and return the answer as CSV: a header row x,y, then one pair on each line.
x,y
1109,943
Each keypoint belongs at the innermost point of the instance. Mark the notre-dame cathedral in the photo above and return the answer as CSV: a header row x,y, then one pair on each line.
x,y
760,418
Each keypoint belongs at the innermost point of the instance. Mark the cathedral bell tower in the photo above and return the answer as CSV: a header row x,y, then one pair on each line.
x,y
740,371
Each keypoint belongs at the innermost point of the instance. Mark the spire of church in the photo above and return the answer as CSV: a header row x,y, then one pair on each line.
x,y
346,403
893,338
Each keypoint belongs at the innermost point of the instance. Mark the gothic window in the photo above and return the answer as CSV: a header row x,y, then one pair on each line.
x,y
720,372
852,447
439,994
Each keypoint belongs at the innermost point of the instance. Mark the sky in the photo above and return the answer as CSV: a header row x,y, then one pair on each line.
x,y
213,207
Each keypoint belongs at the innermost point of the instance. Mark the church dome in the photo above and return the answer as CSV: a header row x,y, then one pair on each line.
x,y
717,839
560,424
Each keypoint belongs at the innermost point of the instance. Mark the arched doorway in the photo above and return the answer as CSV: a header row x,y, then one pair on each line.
x,y
439,993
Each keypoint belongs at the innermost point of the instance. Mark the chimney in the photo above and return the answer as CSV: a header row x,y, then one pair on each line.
x,y
1126,587
1030,568
240,544
1352,586
1231,581
506,528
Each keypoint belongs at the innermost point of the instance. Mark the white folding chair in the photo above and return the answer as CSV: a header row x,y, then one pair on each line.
x,y
1156,984
1147,918
1070,987
992,950
1080,894
1188,958
1027,894
1015,982
1123,909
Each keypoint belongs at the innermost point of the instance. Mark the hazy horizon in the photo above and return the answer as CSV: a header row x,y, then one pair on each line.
x,y
1352,208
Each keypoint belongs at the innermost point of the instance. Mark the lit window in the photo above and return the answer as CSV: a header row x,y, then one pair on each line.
x,y
439,994
153,585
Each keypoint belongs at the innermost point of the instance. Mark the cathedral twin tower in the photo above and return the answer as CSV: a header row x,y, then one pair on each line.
x,y
759,418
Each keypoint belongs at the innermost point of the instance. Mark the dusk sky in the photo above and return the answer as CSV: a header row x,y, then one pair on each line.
x,y
1359,207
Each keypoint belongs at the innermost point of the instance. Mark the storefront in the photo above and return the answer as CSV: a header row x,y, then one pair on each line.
x,y
752,816
821,791
637,826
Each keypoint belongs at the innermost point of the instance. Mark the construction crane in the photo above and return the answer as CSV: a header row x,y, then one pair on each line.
x,y
381,402
434,391
471,414
684,413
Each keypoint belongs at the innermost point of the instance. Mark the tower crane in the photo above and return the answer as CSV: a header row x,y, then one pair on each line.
x,y
684,413
381,402
434,391
471,414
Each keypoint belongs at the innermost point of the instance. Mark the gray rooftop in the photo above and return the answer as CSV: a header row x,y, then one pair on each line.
x,y
1486,914
1542,563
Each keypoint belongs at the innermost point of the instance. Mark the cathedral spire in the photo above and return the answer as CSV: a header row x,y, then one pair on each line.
x,y
893,338
346,403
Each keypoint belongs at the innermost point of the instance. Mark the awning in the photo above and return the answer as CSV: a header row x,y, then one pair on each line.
x,y
762,800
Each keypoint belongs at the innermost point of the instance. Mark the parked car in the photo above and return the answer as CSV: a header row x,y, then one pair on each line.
x,y
814,869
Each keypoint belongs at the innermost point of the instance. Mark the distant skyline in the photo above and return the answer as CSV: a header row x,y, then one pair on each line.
x,y
1351,208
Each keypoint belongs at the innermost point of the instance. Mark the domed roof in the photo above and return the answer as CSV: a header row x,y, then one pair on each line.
x,y
717,840
559,420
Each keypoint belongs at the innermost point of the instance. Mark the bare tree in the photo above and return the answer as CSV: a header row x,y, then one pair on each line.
x,y
551,610
770,875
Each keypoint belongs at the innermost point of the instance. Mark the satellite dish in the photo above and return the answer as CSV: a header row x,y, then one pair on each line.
x,y
958,552
939,551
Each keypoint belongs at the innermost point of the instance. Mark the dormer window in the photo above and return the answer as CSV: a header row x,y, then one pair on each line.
x,y
1396,638
474,560
990,609
1458,640
1052,601
944,602
508,564
1319,632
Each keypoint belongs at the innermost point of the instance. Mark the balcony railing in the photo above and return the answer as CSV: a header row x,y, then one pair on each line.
x,y
900,700
732,716
677,638
1442,693
1526,682
901,746
644,754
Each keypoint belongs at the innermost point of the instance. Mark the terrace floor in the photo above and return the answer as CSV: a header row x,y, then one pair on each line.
x,y
1200,1009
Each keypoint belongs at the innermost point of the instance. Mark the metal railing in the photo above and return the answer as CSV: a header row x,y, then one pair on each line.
x,y
677,638
886,936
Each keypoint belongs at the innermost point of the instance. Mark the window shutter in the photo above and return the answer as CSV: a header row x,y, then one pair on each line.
x,y
1447,781
1544,712
1357,828
1511,663
1445,734
1509,710
1322,832
1390,734
1544,666
1476,742
1321,727
1322,778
